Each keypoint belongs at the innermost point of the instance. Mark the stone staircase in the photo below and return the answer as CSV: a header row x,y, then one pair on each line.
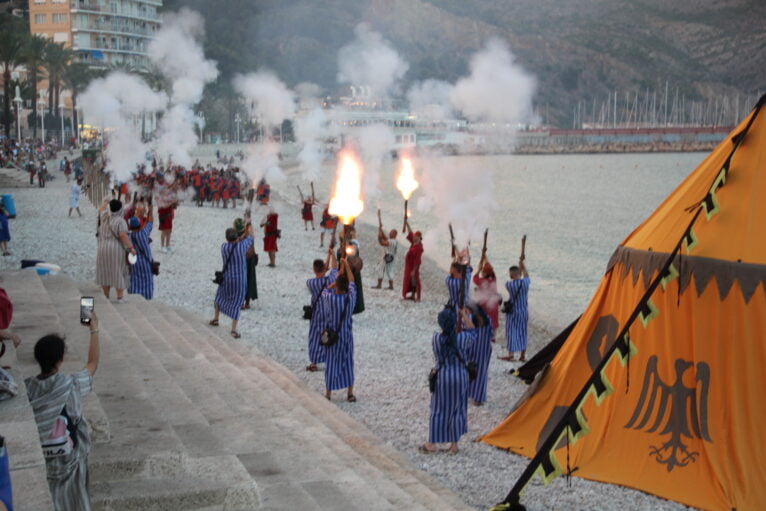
x,y
183,419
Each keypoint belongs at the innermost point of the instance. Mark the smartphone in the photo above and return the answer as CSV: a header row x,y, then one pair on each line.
x,y
86,307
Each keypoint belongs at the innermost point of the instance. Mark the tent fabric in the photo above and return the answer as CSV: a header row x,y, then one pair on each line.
x,y
664,368
542,358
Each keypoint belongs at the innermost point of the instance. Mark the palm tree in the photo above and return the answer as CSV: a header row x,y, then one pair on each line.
x,y
12,36
33,57
57,59
76,78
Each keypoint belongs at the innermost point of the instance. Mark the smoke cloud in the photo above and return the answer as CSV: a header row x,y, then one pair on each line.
x,y
371,61
177,53
375,145
262,161
272,101
116,104
497,90
310,131
430,100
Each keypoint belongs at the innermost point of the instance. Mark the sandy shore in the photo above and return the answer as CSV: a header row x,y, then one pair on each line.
x,y
392,337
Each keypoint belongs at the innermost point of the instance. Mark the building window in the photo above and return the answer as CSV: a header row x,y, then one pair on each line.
x,y
40,19
39,1
60,1
61,37
59,18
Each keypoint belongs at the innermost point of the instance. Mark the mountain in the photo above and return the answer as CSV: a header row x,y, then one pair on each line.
x,y
579,50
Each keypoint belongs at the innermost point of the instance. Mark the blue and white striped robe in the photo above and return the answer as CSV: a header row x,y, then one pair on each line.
x,y
339,371
449,402
316,286
231,292
141,278
480,351
453,288
516,321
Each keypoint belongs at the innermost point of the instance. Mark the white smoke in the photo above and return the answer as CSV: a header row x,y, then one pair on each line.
x,y
310,131
430,100
272,101
497,90
371,61
455,191
262,161
116,104
177,53
375,145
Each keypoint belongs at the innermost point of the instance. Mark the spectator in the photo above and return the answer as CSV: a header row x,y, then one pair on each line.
x,y
113,242
56,401
5,231
74,196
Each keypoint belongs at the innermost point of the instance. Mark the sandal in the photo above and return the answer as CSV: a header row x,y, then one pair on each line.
x,y
351,398
235,334
425,450
507,358
213,322
311,368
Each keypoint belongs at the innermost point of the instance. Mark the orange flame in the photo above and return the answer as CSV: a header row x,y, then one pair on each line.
x,y
406,182
346,202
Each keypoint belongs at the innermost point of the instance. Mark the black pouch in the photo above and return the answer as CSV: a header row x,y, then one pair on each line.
x,y
432,380
328,337
307,311
218,279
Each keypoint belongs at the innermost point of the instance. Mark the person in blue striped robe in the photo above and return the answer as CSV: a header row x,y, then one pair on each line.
x,y
458,284
321,281
141,278
449,402
337,306
516,321
480,351
231,292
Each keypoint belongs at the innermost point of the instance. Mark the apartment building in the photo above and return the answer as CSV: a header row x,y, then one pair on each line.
x,y
102,32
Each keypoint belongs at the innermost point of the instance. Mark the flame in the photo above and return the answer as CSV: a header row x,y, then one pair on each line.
x,y
347,203
406,182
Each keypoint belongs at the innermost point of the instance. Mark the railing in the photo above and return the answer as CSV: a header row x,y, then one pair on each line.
x,y
109,46
114,27
92,164
104,9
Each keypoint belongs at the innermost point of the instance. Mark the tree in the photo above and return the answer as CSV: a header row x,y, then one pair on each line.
x,y
76,78
33,57
56,60
12,36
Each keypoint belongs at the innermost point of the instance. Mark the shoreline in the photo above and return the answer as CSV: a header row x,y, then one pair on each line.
x,y
392,337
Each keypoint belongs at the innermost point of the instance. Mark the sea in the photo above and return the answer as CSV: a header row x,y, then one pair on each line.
x,y
574,209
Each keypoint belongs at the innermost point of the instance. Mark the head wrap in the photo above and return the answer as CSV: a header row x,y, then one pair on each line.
x,y
134,222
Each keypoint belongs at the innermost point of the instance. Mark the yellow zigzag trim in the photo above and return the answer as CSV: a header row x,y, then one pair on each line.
x,y
669,278
720,180
558,470
653,314
695,240
632,350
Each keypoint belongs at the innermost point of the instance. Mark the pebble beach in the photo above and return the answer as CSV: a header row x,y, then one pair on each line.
x,y
392,337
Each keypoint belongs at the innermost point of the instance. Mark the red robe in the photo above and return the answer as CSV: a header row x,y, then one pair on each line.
x,y
412,261
270,232
486,295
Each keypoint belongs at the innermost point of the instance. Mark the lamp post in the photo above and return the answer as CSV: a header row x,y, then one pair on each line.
x,y
237,120
41,105
201,124
61,114
18,102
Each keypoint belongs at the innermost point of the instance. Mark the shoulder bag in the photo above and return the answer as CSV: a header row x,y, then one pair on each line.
x,y
154,264
308,310
508,305
329,337
218,278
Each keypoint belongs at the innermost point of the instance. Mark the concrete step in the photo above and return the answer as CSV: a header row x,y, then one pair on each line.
x,y
384,458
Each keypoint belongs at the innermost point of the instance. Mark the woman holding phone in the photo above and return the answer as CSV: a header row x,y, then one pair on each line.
x,y
56,401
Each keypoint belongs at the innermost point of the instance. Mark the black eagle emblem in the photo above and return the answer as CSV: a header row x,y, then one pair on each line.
x,y
674,409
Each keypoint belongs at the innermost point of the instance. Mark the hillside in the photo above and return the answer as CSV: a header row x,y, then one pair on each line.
x,y
578,49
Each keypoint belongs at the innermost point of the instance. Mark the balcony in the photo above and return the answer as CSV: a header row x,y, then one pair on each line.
x,y
111,47
114,26
95,8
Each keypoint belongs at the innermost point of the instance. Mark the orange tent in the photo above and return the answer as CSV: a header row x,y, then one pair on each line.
x,y
665,368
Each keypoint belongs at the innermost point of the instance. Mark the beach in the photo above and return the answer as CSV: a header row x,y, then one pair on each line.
x,y
392,337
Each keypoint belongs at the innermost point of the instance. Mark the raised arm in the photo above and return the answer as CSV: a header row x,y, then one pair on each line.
x,y
150,211
330,261
347,268
94,350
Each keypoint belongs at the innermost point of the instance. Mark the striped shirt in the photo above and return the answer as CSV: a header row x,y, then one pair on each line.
x,y
141,278
516,321
231,292
337,309
316,286
449,402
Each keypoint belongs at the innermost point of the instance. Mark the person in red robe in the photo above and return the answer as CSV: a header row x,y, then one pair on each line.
x,y
307,213
271,232
486,293
225,192
411,285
